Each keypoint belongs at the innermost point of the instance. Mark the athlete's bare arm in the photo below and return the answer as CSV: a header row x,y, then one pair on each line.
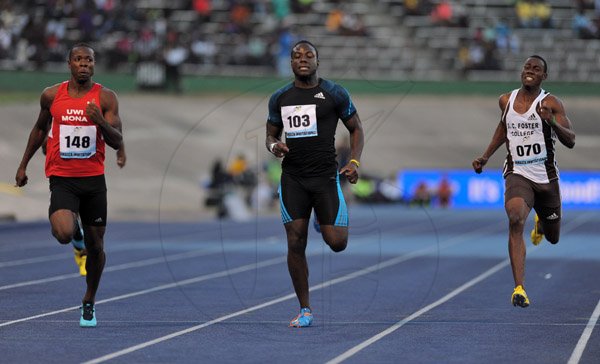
x,y
107,119
279,148
498,139
38,133
121,156
357,141
553,112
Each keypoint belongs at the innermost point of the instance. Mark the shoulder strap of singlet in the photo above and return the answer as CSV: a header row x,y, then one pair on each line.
x,y
511,99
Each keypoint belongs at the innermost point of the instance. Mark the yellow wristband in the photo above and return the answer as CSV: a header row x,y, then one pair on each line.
x,y
355,162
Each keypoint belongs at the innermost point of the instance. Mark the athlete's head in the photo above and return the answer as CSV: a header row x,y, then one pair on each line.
x,y
535,70
305,59
81,62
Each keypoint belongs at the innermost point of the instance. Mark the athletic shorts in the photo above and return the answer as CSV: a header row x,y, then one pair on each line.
x,y
544,198
298,196
83,195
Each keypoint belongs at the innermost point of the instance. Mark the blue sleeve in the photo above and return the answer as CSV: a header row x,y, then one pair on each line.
x,y
343,103
274,109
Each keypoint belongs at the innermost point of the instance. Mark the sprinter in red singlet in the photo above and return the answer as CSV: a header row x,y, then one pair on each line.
x,y
80,117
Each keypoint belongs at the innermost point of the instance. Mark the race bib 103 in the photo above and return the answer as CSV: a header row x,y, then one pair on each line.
x,y
299,121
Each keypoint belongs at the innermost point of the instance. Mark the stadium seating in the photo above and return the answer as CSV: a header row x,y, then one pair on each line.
x,y
397,46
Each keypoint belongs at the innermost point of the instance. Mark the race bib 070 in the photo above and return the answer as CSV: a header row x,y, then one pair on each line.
x,y
299,121
77,142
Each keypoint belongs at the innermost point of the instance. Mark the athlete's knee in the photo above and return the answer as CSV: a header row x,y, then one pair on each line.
x,y
338,245
296,244
553,238
62,236
516,220
94,246
337,241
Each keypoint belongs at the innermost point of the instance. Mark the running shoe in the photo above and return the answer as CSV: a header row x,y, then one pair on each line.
x,y
519,297
536,235
88,315
80,259
304,318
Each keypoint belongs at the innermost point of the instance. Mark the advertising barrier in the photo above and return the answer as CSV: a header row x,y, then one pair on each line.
x,y
579,189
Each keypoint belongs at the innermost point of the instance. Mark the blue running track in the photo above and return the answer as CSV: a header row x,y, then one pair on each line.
x,y
413,286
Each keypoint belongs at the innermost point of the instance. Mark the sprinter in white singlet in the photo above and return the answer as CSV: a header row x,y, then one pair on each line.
x,y
532,120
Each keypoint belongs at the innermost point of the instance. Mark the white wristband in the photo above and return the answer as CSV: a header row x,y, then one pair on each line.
x,y
271,146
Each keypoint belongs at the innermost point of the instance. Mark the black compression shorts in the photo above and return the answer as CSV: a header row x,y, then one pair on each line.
x,y
83,195
299,195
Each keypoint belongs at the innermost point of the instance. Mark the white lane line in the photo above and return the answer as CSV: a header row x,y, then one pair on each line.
x,y
361,272
399,324
114,268
352,351
49,258
221,274
45,258
585,337
326,284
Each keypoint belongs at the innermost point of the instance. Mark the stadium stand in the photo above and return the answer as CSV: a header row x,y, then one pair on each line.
x,y
387,39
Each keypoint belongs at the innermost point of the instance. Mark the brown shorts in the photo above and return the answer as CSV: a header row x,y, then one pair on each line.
x,y
544,198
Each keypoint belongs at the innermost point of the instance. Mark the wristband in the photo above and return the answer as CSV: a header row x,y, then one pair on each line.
x,y
357,163
271,146
553,120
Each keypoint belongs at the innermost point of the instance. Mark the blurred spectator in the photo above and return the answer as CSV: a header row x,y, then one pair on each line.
x,y
285,41
334,20
341,22
421,196
353,25
281,8
302,6
543,12
441,15
174,56
416,7
203,9
444,192
534,14
584,28
203,50
506,40
239,19
217,187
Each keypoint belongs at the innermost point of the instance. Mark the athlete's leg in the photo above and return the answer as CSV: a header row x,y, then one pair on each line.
x,y
64,205
94,243
297,232
63,223
517,211
549,211
551,231
335,236
331,210
93,213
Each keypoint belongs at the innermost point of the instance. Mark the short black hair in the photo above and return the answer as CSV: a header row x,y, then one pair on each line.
x,y
80,45
543,60
304,41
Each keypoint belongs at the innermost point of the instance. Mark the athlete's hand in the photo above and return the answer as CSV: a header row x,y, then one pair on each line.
x,y
121,158
93,112
350,172
478,164
21,178
545,111
280,149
